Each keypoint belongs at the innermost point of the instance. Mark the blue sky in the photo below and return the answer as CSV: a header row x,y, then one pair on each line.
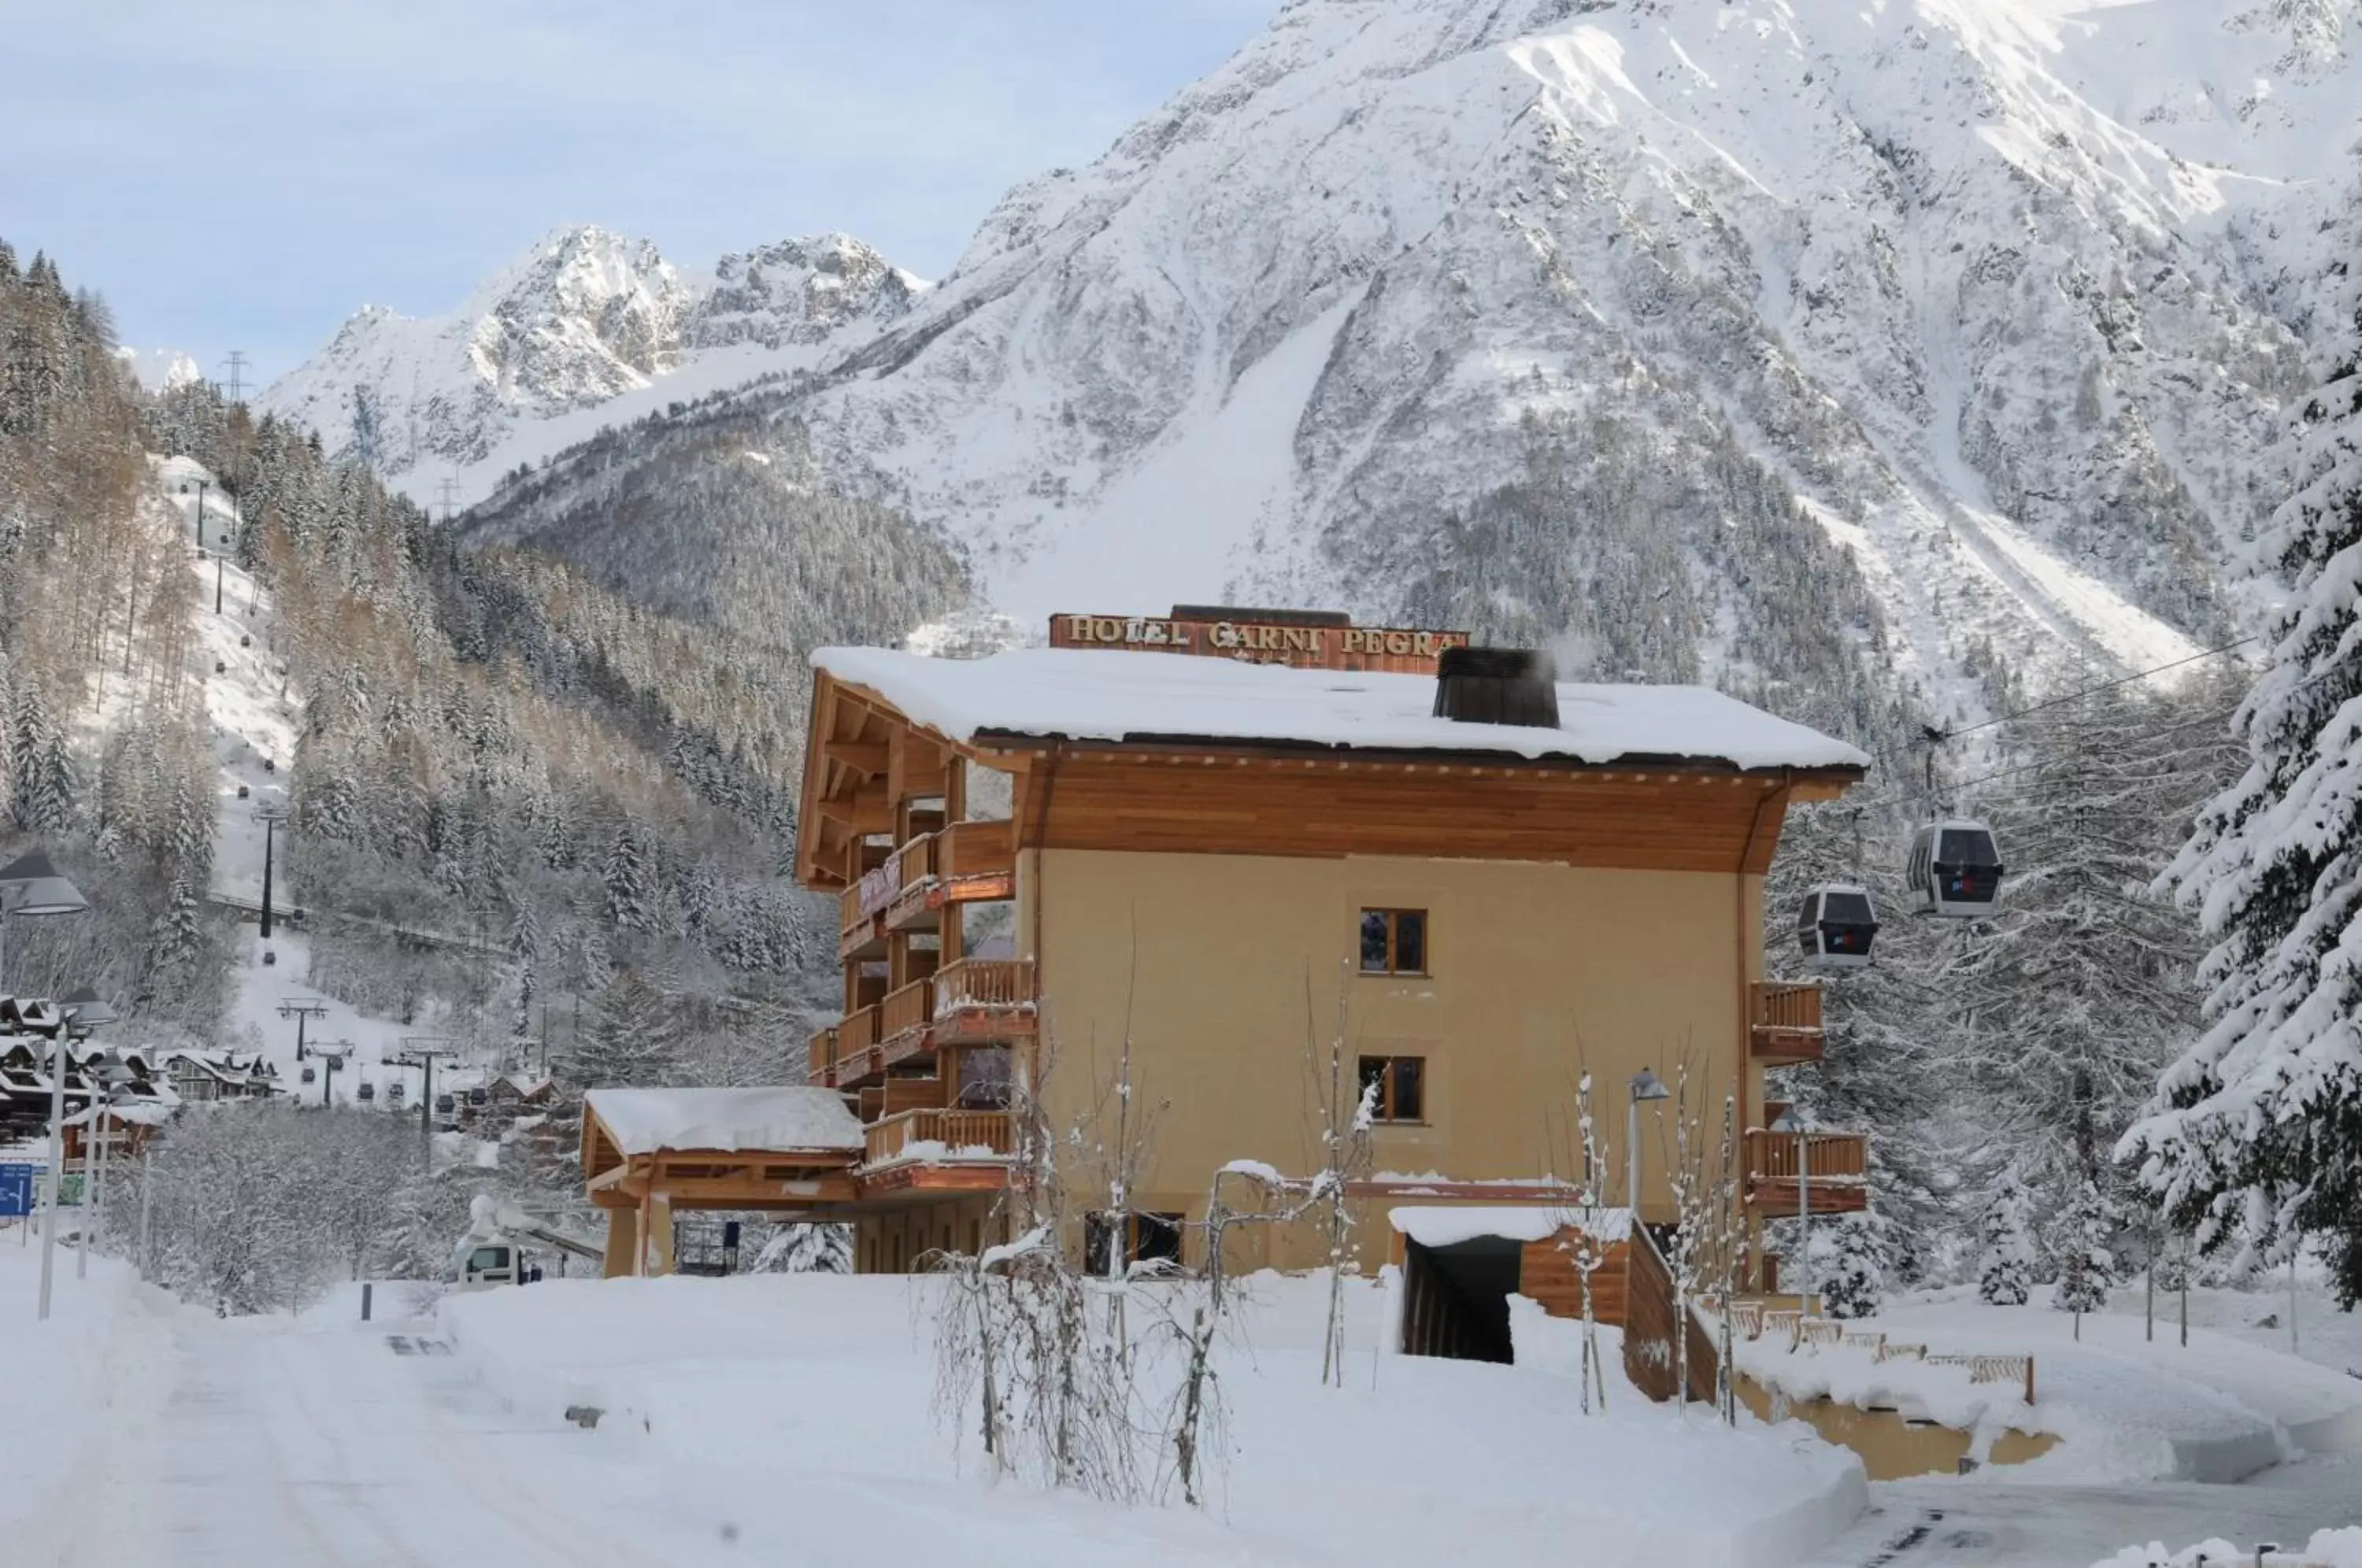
x,y
245,173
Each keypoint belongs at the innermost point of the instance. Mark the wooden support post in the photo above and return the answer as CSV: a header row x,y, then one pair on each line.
x,y
660,1228
623,1242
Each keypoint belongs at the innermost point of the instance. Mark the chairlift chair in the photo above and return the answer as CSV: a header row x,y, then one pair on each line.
x,y
1955,871
1837,925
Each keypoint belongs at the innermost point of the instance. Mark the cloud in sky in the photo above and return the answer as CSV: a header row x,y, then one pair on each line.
x,y
246,172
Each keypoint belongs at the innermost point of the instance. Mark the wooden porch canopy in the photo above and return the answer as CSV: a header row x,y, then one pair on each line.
x,y
762,1149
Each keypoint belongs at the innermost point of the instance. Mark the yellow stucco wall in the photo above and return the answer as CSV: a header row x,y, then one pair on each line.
x,y
1235,971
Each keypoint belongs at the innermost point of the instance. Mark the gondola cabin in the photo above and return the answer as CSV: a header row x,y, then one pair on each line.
x,y
1954,869
366,1093
1837,926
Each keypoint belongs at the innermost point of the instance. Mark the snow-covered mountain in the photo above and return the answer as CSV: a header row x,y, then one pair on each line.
x,y
1557,316
585,317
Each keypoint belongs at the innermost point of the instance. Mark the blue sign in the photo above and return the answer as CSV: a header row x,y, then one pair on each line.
x,y
18,1186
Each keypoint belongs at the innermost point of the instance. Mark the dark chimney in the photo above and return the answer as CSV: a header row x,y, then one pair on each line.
x,y
1497,686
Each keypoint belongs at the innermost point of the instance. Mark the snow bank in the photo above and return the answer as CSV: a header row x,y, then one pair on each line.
x,y
1089,694
2328,1548
2125,1407
799,1117
738,1387
67,1379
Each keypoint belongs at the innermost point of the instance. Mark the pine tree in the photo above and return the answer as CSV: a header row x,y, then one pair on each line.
x,y
2255,1138
2005,1260
2079,1242
632,1038
630,882
1849,1264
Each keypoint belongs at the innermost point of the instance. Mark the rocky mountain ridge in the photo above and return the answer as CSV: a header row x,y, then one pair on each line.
x,y
582,318
1790,346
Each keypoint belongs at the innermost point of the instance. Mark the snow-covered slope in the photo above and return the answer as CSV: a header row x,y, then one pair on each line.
x,y
1553,317
584,318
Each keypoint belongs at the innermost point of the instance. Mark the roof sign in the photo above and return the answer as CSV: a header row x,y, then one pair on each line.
x,y
1284,637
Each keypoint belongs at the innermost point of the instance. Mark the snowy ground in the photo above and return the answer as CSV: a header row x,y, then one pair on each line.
x,y
786,1419
813,1392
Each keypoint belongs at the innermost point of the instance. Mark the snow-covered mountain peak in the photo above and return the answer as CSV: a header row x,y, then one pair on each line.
x,y
800,291
582,317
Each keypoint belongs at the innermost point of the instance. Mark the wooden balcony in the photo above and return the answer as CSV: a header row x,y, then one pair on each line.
x,y
1784,1023
1828,1170
857,1049
905,1020
966,863
941,1136
984,1001
819,1058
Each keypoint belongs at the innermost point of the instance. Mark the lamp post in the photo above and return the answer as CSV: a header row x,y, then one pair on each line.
x,y
1644,1084
1791,1122
108,1074
30,886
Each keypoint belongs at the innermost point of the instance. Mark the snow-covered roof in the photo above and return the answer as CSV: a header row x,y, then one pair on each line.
x,y
1092,694
642,1120
1437,1225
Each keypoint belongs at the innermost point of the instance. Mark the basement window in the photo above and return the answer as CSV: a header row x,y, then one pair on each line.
x,y
1401,1083
1394,942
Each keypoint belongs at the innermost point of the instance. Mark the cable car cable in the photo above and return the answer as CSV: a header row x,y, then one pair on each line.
x,y
1935,736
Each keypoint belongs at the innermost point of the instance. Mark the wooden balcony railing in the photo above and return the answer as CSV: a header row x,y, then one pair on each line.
x,y
856,1043
819,1058
911,865
904,1021
848,909
876,890
1783,1022
965,863
970,850
1829,1170
983,983
940,1135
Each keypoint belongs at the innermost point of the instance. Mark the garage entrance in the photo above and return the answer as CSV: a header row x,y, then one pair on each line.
x,y
1456,1297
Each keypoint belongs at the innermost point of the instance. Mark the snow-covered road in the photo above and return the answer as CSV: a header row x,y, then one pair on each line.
x,y
278,1443
1983,1524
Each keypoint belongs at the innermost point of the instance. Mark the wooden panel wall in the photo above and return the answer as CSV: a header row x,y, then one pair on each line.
x,y
1669,822
1546,1271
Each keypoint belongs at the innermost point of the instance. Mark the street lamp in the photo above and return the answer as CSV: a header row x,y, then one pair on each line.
x,y
30,886
1791,1122
1645,1085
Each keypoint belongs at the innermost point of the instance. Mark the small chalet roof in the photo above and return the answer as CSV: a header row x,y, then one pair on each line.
x,y
1085,694
755,1121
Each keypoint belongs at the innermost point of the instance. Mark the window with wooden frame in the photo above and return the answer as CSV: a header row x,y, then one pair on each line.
x,y
1401,1085
1394,942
